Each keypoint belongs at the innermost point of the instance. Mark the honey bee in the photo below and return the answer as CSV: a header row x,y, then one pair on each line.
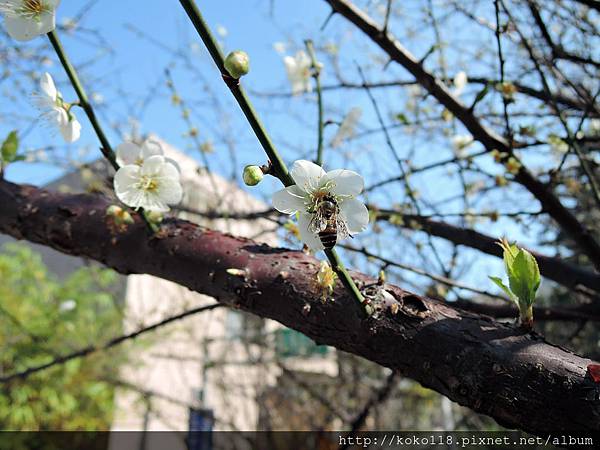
x,y
326,222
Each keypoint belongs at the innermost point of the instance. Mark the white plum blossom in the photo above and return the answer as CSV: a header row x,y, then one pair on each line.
x,y
55,111
312,185
153,185
27,19
460,142
460,82
299,71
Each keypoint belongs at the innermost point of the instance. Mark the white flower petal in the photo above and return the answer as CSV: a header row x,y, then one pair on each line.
x,y
460,81
151,148
174,163
47,22
154,165
308,237
25,28
166,170
290,64
153,202
355,214
169,190
59,115
345,182
48,87
307,175
125,184
71,130
128,153
289,200
298,72
53,3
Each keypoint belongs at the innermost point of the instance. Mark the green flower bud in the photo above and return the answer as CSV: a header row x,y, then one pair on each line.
x,y
252,175
154,217
237,64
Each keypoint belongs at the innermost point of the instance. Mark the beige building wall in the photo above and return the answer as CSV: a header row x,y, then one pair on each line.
x,y
197,353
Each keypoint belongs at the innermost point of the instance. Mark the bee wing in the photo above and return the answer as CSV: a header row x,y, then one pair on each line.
x,y
342,229
317,223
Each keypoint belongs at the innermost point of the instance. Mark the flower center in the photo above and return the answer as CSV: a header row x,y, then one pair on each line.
x,y
147,183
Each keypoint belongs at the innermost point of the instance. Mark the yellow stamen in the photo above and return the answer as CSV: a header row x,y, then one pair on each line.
x,y
34,6
148,184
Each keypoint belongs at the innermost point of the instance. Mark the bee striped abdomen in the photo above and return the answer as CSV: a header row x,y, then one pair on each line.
x,y
328,237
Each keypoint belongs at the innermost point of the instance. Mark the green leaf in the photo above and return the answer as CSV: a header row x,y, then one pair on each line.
x,y
501,285
510,251
10,146
524,277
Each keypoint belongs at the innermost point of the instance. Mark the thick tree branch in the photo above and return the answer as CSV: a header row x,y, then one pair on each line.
x,y
491,141
496,369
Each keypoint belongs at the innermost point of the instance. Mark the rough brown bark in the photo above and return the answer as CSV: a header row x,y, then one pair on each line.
x,y
491,141
496,369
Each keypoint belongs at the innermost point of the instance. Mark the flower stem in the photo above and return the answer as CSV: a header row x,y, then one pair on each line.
x,y
347,281
105,148
317,76
278,166
84,103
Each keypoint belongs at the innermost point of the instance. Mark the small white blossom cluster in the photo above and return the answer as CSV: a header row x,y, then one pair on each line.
x,y
460,142
146,179
55,111
313,185
299,71
26,19
460,82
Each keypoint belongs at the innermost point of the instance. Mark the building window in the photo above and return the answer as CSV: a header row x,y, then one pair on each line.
x,y
291,343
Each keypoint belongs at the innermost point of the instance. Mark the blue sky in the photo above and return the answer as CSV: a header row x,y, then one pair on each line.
x,y
135,66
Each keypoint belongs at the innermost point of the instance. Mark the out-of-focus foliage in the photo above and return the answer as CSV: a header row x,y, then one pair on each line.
x,y
41,318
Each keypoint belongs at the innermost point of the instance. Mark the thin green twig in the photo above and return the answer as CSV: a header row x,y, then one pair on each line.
x,y
278,166
105,148
317,76
84,103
